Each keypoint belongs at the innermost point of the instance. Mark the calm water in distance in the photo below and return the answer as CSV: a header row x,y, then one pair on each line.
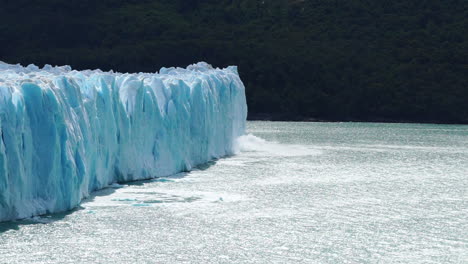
x,y
297,193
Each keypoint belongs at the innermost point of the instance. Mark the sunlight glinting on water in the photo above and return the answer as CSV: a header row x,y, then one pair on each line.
x,y
295,192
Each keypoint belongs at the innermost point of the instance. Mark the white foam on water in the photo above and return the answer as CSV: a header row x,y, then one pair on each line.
x,y
253,144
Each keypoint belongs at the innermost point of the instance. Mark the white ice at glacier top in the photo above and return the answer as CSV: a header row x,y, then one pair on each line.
x,y
65,133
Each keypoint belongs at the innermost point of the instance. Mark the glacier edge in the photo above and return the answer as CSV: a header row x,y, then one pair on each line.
x,y
65,133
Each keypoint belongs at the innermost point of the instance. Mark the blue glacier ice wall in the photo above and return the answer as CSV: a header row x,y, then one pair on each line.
x,y
66,133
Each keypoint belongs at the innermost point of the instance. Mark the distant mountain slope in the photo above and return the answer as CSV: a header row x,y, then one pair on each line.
x,y
336,60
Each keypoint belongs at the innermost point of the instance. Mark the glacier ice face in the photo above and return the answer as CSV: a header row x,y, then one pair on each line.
x,y
66,133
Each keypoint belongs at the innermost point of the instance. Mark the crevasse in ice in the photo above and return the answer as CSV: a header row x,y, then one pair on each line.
x,y
66,133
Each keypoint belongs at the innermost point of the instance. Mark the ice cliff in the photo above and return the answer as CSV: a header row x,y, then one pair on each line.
x,y
66,133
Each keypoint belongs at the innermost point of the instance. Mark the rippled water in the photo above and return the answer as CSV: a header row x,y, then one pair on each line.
x,y
308,192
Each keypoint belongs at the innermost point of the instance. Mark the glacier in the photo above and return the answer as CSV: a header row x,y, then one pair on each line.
x,y
66,133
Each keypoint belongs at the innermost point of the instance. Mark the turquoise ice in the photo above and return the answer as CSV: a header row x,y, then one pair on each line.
x,y
66,133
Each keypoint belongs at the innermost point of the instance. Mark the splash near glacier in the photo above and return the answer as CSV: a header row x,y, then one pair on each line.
x,y
65,133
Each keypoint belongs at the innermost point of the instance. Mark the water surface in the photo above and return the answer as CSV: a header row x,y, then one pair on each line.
x,y
298,192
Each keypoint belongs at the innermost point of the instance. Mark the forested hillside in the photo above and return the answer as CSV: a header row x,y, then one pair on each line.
x,y
403,60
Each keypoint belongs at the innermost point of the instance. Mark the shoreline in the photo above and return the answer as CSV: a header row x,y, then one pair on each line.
x,y
286,118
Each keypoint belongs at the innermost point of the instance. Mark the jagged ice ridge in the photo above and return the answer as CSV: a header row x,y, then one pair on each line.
x,y
65,133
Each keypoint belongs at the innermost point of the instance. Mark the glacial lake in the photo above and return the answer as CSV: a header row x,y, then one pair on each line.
x,y
296,193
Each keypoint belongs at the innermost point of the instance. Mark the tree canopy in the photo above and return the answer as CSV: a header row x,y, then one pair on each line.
x,y
324,59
